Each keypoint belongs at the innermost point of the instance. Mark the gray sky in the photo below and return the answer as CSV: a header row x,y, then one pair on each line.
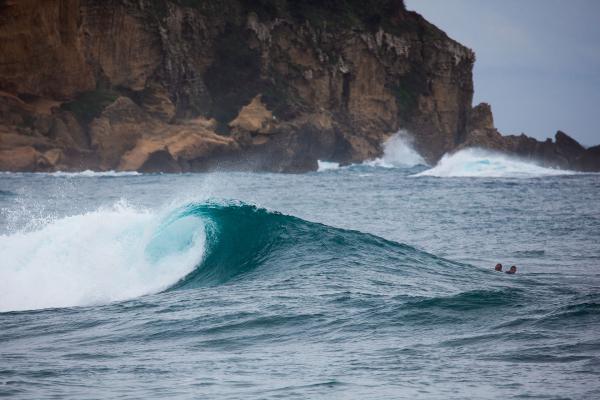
x,y
538,61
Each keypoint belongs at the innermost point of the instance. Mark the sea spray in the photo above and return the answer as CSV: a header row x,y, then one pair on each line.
x,y
398,152
327,166
479,163
98,257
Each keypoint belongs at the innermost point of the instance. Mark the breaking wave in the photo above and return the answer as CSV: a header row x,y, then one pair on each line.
x,y
94,174
98,257
123,253
475,162
398,152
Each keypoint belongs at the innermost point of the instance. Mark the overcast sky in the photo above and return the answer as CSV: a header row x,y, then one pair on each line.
x,y
538,61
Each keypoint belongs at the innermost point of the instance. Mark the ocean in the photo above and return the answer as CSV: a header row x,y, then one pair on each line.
x,y
372,281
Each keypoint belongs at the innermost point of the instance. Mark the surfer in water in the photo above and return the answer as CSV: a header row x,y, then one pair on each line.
x,y
512,270
498,267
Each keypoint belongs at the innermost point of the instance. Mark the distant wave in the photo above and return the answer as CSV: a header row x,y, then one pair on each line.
x,y
94,174
398,152
328,166
479,163
83,174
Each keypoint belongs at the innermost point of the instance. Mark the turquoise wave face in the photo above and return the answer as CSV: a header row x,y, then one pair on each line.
x,y
244,242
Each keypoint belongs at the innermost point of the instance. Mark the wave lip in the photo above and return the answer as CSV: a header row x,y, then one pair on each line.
x,y
480,163
98,257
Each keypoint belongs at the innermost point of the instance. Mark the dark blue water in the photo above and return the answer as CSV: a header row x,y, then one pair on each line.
x,y
351,283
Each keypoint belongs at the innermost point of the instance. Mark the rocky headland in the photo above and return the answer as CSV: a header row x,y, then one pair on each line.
x,y
266,85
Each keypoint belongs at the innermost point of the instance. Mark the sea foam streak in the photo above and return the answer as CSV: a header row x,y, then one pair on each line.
x,y
94,174
475,162
98,257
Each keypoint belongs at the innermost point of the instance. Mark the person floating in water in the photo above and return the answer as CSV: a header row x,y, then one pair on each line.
x,y
498,267
512,270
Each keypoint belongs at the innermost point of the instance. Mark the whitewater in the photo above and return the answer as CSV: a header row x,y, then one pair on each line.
x,y
479,163
364,281
96,258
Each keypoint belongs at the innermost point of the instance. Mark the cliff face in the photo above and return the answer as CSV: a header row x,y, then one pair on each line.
x,y
181,85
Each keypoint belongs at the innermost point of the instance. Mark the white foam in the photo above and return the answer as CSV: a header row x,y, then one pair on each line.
x,y
327,166
475,162
398,152
93,174
98,257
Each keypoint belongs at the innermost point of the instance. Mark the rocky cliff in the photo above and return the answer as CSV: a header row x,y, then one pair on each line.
x,y
563,152
195,85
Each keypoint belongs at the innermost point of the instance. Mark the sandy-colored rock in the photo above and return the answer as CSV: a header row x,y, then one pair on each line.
x,y
17,159
194,145
205,123
180,144
156,102
135,158
254,118
53,157
117,131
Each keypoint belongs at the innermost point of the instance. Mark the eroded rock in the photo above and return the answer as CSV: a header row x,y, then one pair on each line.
x,y
254,118
23,158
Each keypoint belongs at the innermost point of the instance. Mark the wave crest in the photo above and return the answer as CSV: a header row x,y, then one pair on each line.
x,y
98,257
123,253
479,163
